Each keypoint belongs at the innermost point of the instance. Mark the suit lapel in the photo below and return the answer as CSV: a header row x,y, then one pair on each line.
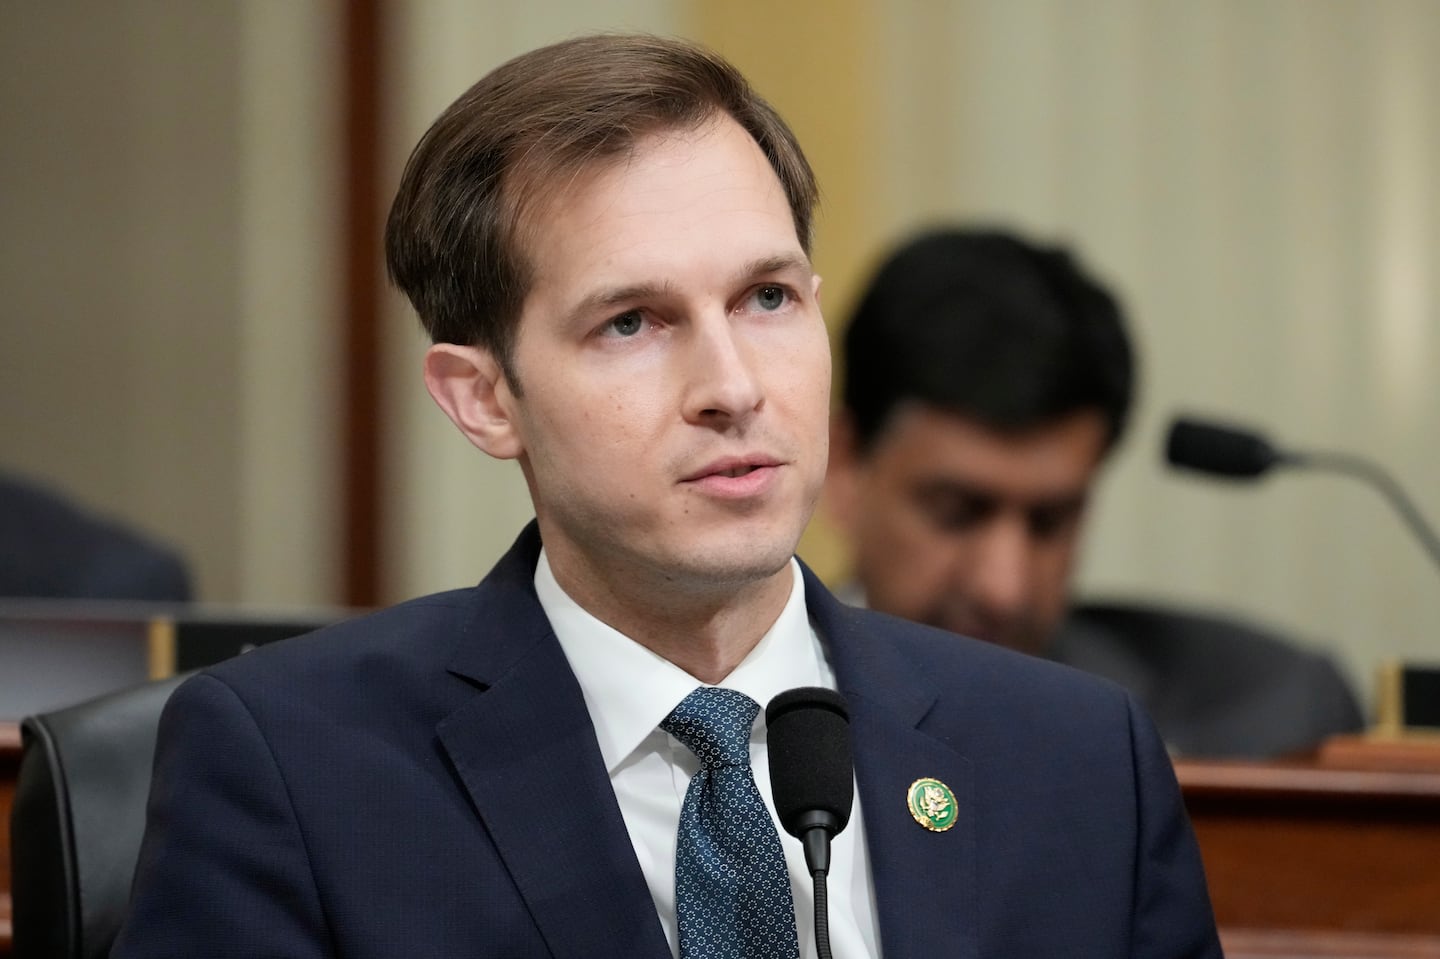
x,y
525,749
925,882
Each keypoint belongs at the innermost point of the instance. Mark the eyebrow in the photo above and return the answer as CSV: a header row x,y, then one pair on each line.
x,y
982,494
780,263
614,296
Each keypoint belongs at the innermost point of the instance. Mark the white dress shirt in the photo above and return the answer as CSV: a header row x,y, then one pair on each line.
x,y
629,690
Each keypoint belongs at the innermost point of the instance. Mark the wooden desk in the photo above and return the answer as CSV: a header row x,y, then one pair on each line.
x,y
1320,858
9,771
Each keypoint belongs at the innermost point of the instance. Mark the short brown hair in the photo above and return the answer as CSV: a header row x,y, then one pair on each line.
x,y
452,243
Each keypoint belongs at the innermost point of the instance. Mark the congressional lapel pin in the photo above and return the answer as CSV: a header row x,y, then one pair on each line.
x,y
932,804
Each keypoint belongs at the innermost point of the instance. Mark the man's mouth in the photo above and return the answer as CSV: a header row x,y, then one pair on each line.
x,y
745,478
732,467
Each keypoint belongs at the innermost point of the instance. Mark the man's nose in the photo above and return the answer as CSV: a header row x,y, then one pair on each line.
x,y
723,385
1000,573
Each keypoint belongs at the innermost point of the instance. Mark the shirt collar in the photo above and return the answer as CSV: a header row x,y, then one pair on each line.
x,y
629,690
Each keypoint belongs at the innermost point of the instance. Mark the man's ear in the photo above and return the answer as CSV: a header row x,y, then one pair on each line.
x,y
842,473
468,383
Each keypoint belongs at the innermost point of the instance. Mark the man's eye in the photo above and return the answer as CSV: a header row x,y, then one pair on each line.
x,y
1051,523
952,514
625,325
954,519
771,298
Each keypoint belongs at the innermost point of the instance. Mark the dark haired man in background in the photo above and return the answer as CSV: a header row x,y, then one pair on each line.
x,y
986,380
608,241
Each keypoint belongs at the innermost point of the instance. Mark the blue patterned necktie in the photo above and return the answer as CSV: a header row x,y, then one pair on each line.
x,y
732,890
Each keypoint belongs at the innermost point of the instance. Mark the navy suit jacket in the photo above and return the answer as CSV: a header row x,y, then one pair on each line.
x,y
426,782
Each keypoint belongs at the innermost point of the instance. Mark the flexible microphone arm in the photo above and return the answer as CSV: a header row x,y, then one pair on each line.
x,y
1388,486
1222,450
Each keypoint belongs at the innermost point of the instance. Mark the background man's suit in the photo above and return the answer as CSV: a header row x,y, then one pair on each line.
x,y
1214,686
426,782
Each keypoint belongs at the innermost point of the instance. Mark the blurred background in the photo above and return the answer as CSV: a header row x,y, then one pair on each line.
x,y
197,340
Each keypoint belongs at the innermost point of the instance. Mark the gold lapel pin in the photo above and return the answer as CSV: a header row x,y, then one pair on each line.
x,y
932,804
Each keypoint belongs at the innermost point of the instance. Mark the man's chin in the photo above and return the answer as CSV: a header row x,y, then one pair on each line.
x,y
725,566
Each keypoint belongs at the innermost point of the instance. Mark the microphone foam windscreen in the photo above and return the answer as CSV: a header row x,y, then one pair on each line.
x,y
1218,449
810,765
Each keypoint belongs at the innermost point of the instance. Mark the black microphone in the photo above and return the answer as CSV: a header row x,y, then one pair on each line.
x,y
812,780
1221,449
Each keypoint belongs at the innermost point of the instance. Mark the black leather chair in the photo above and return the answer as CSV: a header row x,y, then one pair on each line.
x,y
78,818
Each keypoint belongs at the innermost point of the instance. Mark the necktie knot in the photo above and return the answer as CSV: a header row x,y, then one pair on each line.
x,y
714,724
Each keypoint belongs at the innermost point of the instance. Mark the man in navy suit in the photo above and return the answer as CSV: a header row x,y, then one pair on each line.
x,y
608,241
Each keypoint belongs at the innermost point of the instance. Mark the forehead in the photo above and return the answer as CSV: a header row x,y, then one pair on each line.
x,y
1057,458
682,204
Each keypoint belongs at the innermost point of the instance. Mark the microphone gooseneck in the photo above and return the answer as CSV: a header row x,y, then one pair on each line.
x,y
1219,449
812,780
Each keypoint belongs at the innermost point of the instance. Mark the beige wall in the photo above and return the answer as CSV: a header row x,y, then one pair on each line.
x,y
165,218
1256,176
288,505
118,149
